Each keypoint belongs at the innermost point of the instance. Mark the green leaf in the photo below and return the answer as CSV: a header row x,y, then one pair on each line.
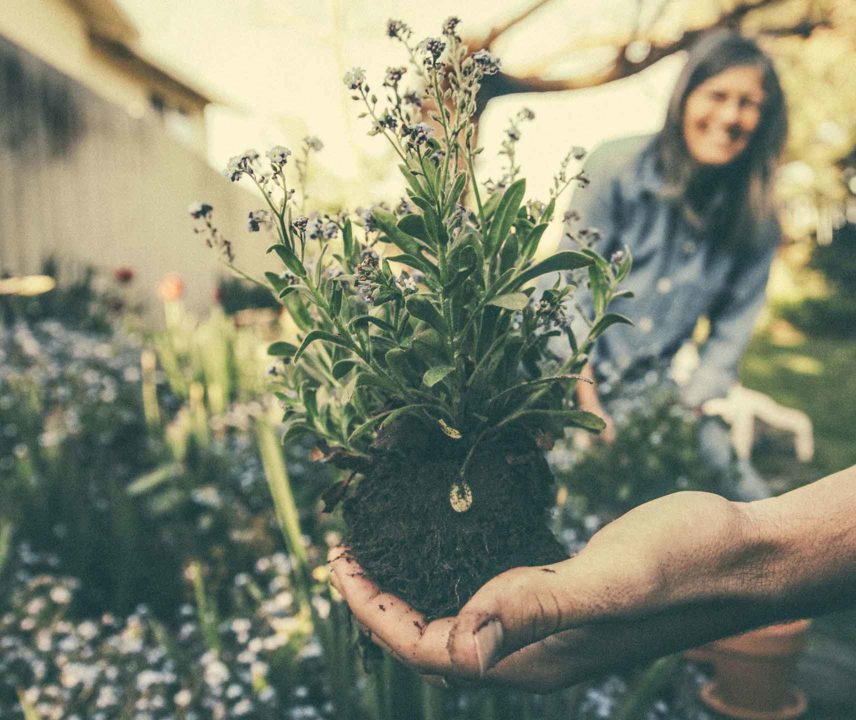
x,y
420,307
348,239
366,426
510,301
491,204
289,259
298,311
286,291
558,262
153,479
343,367
335,299
525,385
414,225
455,193
411,180
295,429
599,288
320,335
605,322
396,362
387,223
281,349
276,282
363,320
624,266
417,262
504,216
510,253
435,374
398,412
573,418
547,215
529,244
434,227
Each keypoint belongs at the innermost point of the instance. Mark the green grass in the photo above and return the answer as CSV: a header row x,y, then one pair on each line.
x,y
815,375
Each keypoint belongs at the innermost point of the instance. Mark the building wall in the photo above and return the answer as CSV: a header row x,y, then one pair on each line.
x,y
83,180
55,32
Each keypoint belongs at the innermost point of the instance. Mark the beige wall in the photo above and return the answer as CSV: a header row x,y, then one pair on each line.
x,y
116,195
53,31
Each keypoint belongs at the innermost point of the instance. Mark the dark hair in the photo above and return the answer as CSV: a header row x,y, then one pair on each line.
x,y
730,203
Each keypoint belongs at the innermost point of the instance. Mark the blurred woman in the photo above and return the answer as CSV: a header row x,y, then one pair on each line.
x,y
693,205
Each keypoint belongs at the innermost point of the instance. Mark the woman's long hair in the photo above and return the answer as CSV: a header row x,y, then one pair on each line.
x,y
730,203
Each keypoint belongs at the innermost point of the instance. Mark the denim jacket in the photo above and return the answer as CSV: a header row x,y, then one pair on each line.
x,y
677,275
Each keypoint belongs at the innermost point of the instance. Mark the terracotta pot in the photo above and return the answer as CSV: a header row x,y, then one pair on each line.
x,y
754,672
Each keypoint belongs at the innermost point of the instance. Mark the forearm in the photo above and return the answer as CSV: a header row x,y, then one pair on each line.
x,y
810,534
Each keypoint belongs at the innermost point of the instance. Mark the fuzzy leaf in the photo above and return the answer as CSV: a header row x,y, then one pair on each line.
x,y
510,301
504,216
435,374
599,287
558,262
348,240
412,181
387,223
457,189
293,430
574,418
606,321
276,282
298,311
364,320
399,412
289,259
343,367
282,349
414,225
423,309
417,262
320,335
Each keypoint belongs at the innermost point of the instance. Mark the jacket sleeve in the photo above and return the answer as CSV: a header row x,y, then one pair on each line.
x,y
732,322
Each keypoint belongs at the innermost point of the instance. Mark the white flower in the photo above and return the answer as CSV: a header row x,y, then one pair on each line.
x,y
278,155
355,78
313,143
487,62
216,673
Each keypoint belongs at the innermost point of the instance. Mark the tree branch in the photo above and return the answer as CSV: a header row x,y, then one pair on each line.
x,y
621,67
496,32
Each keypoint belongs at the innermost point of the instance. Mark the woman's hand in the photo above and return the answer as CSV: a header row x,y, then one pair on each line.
x,y
657,580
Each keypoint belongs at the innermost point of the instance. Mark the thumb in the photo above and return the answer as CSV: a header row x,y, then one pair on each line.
x,y
514,609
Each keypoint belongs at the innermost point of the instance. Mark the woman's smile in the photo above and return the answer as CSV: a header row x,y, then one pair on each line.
x,y
721,114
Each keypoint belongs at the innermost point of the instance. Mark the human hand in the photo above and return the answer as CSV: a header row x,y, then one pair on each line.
x,y
668,575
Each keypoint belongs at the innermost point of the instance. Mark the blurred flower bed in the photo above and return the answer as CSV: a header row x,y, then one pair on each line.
x,y
161,556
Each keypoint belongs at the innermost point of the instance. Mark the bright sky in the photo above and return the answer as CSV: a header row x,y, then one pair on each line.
x,y
279,63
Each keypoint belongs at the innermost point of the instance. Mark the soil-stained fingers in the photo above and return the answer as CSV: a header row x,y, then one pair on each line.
x,y
394,625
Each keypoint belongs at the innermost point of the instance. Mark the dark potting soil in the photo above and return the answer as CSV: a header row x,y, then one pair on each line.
x,y
409,540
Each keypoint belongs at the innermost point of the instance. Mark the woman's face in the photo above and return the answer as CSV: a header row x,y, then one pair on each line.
x,y
721,114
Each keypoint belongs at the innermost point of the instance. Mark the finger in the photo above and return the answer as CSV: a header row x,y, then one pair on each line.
x,y
525,605
393,622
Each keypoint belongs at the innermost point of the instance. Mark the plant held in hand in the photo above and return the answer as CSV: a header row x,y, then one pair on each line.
x,y
423,362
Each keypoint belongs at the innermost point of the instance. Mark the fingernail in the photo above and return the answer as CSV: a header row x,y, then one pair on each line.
x,y
488,641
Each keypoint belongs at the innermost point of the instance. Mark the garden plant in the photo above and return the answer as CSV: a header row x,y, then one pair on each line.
x,y
425,362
